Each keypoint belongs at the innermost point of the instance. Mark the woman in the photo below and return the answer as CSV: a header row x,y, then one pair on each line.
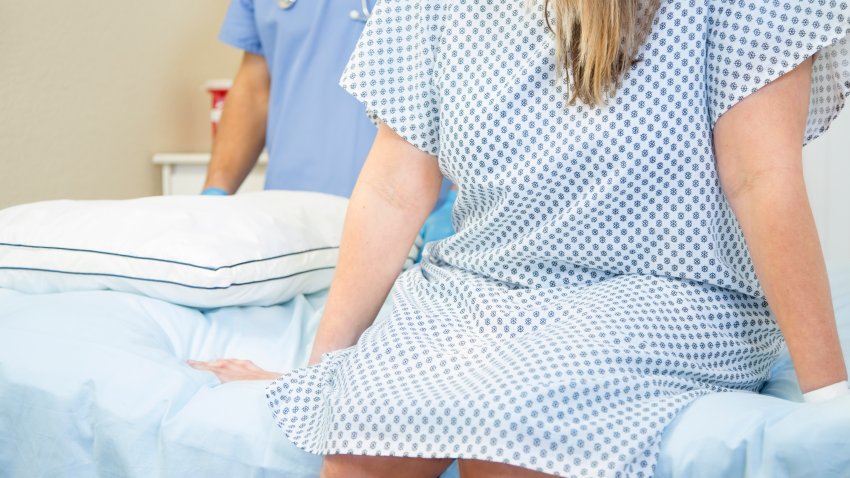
x,y
632,232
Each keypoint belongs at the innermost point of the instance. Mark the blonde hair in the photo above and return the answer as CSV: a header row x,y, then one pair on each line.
x,y
597,41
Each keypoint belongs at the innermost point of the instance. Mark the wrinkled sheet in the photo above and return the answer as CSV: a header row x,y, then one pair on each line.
x,y
95,384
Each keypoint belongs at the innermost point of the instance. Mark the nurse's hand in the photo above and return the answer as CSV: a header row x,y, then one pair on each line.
x,y
231,370
439,223
213,191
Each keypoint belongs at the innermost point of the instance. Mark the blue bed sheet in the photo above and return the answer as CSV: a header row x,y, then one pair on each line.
x,y
95,384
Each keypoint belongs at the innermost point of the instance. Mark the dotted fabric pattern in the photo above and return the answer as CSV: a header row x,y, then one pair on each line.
x,y
598,281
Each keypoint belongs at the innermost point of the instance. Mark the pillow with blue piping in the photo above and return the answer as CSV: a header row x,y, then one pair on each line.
x,y
260,248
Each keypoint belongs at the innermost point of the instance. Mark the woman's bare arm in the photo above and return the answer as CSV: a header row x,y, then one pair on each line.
x,y
758,145
396,189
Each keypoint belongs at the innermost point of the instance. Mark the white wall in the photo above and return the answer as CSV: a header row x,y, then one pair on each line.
x,y
827,169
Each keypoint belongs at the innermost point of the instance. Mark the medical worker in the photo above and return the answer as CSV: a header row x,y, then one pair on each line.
x,y
286,97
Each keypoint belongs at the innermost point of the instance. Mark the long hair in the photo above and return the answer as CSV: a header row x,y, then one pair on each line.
x,y
597,41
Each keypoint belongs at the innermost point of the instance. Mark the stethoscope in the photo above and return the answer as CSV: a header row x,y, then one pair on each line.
x,y
361,16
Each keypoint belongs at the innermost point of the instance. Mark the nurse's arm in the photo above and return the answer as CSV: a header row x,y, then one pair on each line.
x,y
242,130
395,191
758,145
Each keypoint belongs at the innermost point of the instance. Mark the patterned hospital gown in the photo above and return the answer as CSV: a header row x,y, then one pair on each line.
x,y
598,281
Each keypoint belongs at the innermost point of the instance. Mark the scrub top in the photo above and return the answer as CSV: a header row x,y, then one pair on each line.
x,y
317,135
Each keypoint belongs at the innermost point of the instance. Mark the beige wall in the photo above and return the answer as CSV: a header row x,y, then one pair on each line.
x,y
89,90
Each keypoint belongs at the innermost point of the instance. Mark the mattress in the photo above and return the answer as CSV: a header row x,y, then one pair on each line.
x,y
94,383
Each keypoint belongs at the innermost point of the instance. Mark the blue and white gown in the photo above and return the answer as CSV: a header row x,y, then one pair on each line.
x,y
598,281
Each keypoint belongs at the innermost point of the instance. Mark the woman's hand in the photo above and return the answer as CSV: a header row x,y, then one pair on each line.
x,y
230,370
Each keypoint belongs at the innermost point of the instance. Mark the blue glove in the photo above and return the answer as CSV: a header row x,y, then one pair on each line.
x,y
439,223
214,192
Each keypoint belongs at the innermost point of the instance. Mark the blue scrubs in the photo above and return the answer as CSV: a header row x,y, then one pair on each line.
x,y
317,135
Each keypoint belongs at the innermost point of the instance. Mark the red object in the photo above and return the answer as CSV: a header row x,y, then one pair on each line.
x,y
218,91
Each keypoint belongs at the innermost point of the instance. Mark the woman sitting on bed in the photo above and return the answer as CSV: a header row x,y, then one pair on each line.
x,y
633,232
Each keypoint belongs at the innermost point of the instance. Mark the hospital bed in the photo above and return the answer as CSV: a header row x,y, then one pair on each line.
x,y
93,380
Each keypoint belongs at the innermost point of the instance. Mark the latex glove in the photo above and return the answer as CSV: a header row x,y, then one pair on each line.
x,y
214,192
827,393
439,223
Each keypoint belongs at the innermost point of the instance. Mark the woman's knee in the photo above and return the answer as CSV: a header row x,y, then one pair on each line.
x,y
491,469
363,466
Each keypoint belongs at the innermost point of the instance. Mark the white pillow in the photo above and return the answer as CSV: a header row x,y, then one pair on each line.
x,y
259,248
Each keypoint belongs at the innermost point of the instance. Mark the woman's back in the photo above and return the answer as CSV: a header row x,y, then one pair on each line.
x,y
598,281
555,195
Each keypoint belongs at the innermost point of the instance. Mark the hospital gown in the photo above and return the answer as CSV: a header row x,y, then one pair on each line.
x,y
598,281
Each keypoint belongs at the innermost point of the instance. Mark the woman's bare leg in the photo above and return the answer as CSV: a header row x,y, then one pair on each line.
x,y
362,466
490,469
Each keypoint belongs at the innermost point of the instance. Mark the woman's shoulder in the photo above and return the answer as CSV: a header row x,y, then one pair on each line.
x,y
751,43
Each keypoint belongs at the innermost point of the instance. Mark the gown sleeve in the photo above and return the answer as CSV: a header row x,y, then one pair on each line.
x,y
753,42
392,67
